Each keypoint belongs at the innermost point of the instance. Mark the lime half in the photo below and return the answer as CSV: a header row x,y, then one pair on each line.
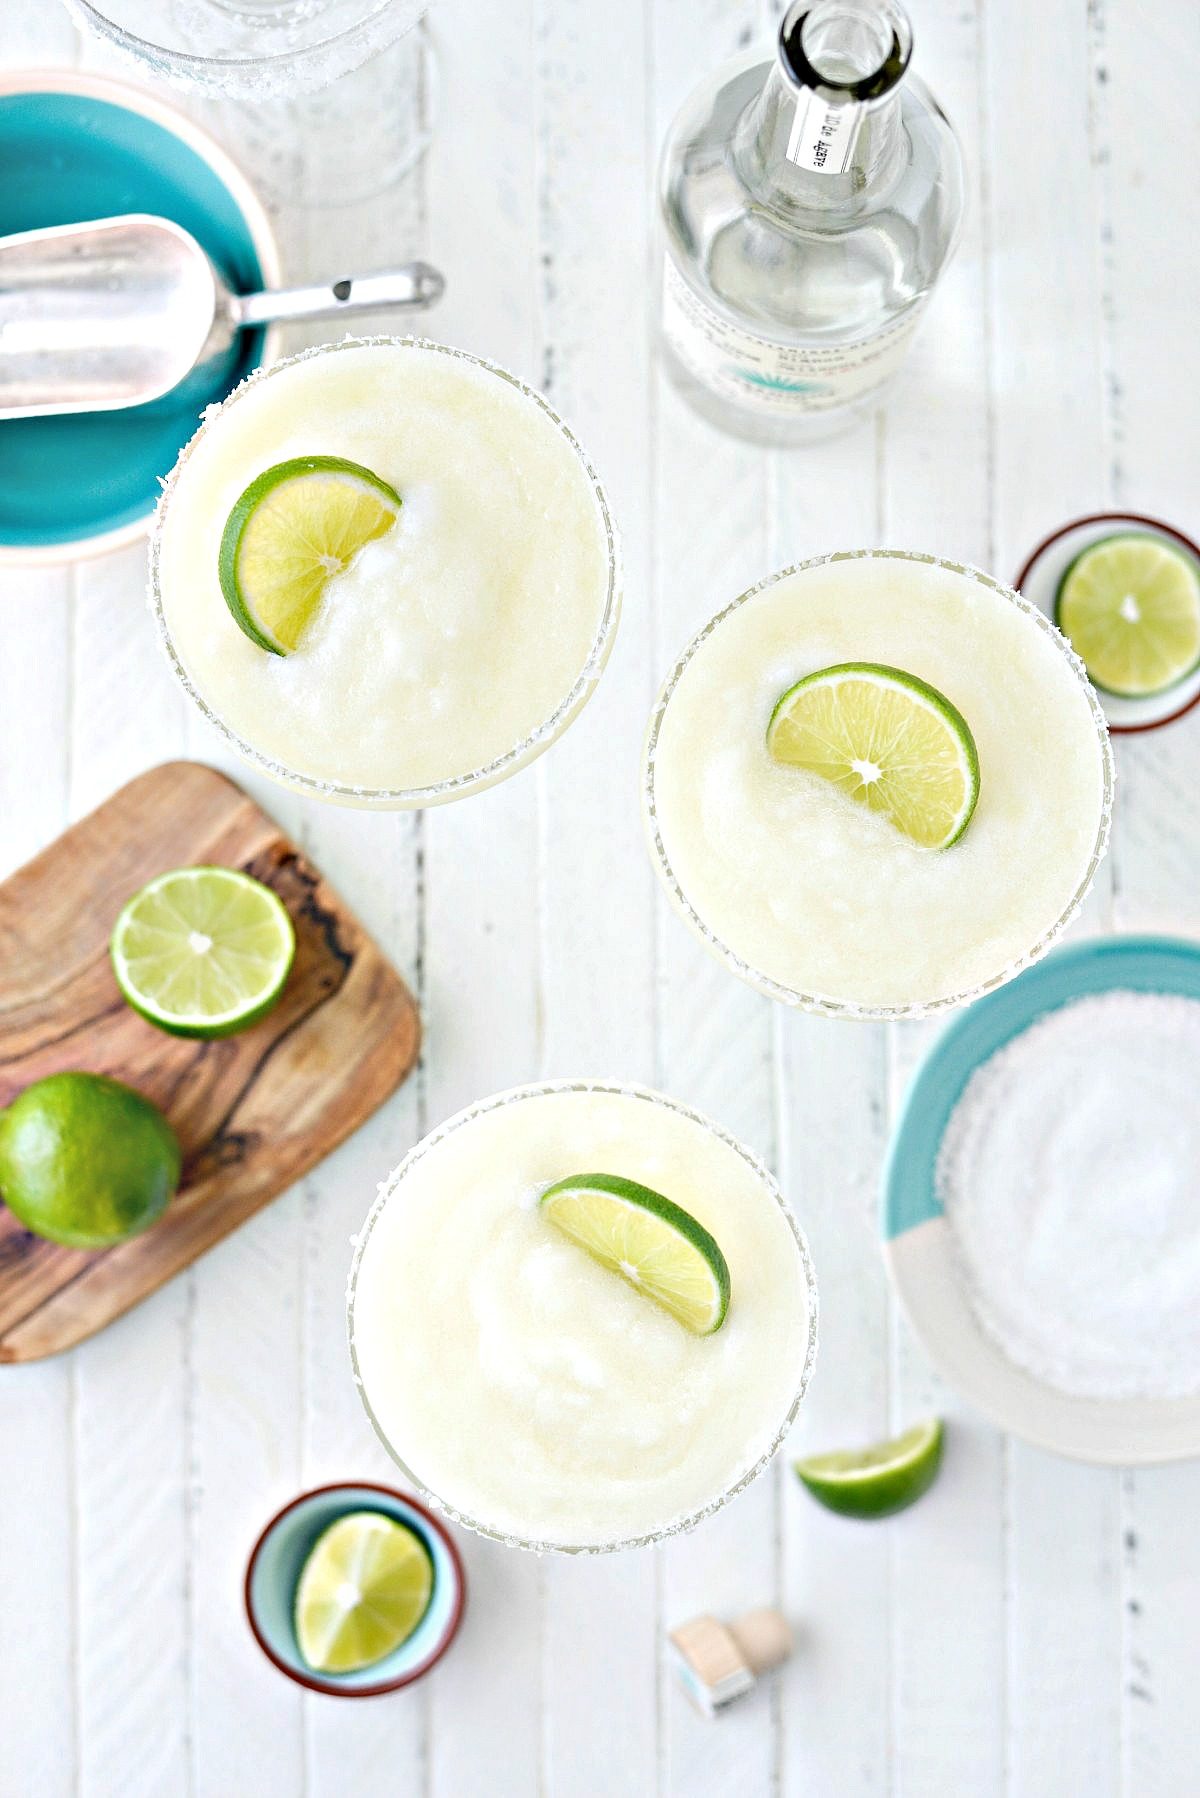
x,y
203,951
1130,605
875,1482
294,528
654,1244
363,1590
886,739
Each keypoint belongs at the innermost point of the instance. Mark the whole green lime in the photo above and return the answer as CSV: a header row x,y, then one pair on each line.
x,y
85,1160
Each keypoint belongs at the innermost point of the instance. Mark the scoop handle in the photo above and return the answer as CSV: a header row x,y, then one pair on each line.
x,y
413,287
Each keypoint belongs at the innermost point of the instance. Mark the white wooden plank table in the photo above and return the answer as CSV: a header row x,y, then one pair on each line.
x,y
1033,1628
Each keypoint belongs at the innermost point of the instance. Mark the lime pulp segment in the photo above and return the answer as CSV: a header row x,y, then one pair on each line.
x,y
1130,606
365,1587
295,527
886,739
203,952
877,1481
654,1244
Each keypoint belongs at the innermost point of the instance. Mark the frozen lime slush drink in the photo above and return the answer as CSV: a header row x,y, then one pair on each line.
x,y
536,1393
821,900
447,642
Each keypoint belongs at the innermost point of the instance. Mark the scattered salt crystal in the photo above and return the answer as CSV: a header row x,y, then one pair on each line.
x,y
1069,1174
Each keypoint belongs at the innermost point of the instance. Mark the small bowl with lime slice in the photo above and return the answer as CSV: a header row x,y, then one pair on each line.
x,y
1124,589
354,1590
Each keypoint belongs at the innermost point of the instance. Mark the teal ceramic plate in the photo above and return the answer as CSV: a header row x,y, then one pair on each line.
x,y
274,1572
76,147
917,1246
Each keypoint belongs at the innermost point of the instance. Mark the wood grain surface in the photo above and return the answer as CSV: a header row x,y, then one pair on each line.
x,y
253,1112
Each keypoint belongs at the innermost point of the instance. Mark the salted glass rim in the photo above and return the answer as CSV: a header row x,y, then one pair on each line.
x,y
458,785
622,1089
823,1004
201,66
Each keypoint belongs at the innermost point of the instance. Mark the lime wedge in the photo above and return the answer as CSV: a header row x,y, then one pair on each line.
x,y
875,1482
294,528
654,1244
203,951
363,1590
888,740
1130,605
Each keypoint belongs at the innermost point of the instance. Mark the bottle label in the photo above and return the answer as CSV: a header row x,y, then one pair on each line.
x,y
765,372
823,137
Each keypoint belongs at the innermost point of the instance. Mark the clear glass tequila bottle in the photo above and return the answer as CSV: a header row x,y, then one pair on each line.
x,y
808,206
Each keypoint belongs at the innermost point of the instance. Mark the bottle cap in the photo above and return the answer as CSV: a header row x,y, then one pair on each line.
x,y
764,1638
718,1662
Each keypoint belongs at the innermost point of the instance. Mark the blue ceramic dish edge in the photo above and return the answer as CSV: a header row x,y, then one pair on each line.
x,y
1141,963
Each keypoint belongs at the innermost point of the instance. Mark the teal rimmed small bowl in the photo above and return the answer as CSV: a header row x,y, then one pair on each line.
x,y
75,147
274,1569
918,1247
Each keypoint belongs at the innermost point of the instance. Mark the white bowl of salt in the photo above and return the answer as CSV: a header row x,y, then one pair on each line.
x,y
1041,1202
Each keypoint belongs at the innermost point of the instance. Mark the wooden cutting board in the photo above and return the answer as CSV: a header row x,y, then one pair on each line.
x,y
253,1112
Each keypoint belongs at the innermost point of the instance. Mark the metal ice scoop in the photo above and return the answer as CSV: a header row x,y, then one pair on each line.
x,y
120,311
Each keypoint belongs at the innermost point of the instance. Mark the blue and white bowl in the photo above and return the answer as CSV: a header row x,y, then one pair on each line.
x,y
918,1248
273,1574
1039,581
75,147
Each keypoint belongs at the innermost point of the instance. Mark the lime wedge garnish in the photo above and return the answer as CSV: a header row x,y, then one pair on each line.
x,y
1130,605
875,1482
654,1244
363,1590
203,951
888,740
293,529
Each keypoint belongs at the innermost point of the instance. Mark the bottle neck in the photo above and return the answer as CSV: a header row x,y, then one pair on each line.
x,y
825,129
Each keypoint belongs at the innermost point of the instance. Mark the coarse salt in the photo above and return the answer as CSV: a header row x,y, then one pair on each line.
x,y
1069,1174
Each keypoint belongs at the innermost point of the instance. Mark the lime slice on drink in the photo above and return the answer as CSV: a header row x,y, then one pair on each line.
x,y
1130,605
364,1588
203,951
293,529
654,1244
878,1481
886,739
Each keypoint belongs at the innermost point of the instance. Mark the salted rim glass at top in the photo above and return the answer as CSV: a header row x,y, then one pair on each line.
x,y
678,1526
460,785
822,1004
252,49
